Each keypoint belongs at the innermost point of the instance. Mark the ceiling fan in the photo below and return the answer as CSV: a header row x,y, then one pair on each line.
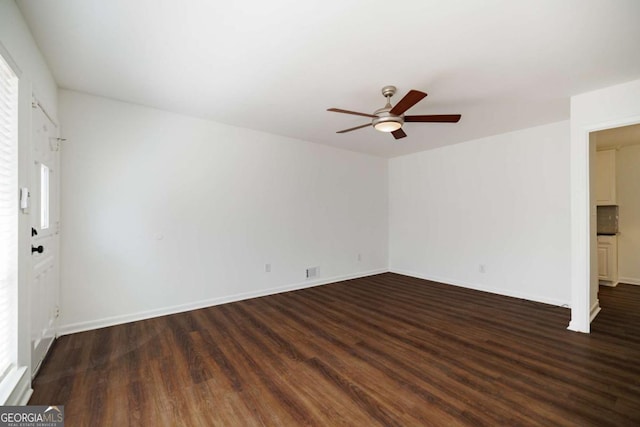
x,y
391,118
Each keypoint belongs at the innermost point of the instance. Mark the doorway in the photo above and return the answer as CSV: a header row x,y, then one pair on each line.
x,y
617,172
614,210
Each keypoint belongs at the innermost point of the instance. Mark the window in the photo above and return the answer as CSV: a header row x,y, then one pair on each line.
x,y
8,216
44,197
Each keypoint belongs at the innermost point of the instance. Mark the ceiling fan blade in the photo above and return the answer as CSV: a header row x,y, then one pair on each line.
x,y
397,134
338,110
434,118
355,128
409,100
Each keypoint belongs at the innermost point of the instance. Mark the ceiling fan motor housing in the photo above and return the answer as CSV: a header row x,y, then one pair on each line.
x,y
385,121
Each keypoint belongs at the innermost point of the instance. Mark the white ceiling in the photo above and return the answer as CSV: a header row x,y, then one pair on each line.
x,y
278,65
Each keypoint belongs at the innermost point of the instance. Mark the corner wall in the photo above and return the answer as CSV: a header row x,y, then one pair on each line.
x,y
162,213
17,39
499,204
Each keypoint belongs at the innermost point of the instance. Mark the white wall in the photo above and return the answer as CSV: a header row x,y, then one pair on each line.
x,y
606,108
501,201
17,39
628,192
163,212
35,78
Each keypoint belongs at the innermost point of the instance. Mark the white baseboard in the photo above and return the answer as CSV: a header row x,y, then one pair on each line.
x,y
607,283
595,309
629,280
578,327
503,292
133,317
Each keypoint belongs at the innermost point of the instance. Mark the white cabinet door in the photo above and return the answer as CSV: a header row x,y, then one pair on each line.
x,y
606,177
608,260
44,282
603,262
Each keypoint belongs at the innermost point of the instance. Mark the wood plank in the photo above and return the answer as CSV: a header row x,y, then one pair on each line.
x,y
382,350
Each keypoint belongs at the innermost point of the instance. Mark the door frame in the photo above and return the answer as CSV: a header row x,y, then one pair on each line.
x,y
583,229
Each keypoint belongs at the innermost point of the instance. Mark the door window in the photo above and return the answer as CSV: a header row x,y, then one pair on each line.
x,y
44,197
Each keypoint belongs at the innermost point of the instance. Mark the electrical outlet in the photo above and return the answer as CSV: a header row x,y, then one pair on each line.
x,y
359,257
267,268
311,272
482,268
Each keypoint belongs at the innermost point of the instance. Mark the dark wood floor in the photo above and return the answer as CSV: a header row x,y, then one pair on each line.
x,y
384,350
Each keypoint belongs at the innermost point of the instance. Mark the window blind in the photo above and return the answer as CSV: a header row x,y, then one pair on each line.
x,y
8,216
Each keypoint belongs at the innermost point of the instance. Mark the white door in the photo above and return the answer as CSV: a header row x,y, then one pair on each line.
x,y
44,282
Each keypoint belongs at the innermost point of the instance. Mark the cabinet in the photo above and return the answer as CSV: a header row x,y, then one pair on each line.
x,y
605,177
608,260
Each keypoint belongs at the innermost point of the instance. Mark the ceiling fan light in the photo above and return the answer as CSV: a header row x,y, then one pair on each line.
x,y
388,126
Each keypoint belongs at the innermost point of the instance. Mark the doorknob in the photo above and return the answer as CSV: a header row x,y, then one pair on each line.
x,y
39,249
